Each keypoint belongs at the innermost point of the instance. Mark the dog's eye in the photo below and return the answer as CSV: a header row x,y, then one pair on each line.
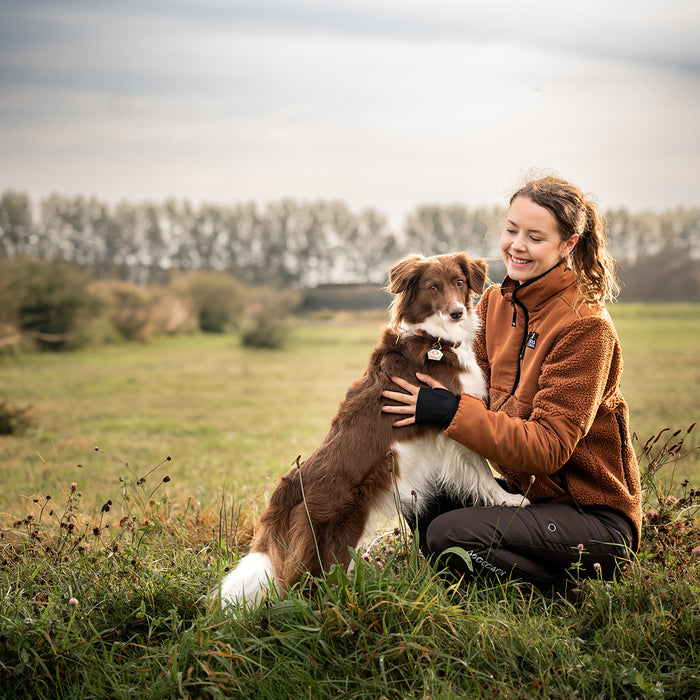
x,y
461,283
433,287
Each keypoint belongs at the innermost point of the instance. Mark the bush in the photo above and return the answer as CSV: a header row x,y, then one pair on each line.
x,y
171,314
127,307
47,302
14,420
217,298
264,324
10,338
264,333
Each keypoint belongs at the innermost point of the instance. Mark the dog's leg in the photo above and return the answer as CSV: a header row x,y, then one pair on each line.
x,y
493,495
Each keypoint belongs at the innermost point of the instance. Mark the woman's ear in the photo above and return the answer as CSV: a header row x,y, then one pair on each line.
x,y
569,245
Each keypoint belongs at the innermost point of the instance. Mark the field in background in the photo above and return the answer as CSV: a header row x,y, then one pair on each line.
x,y
234,418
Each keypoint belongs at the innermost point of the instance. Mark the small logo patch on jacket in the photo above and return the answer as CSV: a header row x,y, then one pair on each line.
x,y
532,340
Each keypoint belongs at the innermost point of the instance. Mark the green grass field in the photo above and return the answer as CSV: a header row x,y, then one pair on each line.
x,y
237,418
229,417
103,586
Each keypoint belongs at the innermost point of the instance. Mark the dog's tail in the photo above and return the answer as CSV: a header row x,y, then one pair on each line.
x,y
249,582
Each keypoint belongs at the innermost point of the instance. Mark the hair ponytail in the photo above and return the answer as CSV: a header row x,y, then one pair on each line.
x,y
591,261
590,258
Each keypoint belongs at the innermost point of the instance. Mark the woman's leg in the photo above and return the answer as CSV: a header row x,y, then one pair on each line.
x,y
541,543
434,506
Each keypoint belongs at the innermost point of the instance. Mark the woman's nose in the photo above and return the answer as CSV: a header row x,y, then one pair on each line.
x,y
518,243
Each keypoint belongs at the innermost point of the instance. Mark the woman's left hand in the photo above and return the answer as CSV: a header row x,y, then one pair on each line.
x,y
407,405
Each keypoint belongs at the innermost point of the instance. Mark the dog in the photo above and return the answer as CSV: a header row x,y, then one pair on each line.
x,y
365,466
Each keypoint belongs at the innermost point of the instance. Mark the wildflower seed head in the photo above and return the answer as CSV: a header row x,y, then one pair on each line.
x,y
73,601
73,487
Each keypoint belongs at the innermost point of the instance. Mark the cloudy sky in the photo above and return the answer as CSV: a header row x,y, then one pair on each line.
x,y
386,103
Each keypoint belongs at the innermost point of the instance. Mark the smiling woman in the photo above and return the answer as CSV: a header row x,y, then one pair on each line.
x,y
550,220
554,423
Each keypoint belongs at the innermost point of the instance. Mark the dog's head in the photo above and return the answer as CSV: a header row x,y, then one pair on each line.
x,y
434,294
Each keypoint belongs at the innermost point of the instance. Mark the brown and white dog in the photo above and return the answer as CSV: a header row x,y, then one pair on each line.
x,y
321,508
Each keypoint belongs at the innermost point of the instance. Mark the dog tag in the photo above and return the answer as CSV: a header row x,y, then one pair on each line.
x,y
435,353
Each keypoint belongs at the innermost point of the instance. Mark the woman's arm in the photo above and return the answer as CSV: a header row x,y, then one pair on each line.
x,y
574,380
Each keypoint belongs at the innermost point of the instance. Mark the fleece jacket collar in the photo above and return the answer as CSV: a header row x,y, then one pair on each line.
x,y
535,293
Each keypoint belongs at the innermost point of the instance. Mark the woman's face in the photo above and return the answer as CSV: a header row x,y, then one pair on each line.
x,y
530,243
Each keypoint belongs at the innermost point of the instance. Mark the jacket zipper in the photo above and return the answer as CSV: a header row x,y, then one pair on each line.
x,y
526,334
523,345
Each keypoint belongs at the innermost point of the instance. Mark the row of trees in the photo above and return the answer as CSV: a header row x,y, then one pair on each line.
x,y
301,244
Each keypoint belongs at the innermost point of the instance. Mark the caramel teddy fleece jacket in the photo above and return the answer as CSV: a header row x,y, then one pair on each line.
x,y
554,407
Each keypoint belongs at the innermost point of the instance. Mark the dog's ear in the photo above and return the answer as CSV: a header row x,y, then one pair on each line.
x,y
401,274
475,271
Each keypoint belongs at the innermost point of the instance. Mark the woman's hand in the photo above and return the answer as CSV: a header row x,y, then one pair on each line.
x,y
407,405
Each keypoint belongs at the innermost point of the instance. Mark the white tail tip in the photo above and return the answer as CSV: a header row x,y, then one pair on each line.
x,y
249,582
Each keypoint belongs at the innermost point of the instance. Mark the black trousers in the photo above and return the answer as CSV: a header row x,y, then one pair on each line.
x,y
547,544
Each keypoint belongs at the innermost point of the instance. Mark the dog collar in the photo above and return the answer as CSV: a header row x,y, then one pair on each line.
x,y
435,353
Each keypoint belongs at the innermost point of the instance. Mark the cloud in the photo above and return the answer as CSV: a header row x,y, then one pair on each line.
x,y
382,103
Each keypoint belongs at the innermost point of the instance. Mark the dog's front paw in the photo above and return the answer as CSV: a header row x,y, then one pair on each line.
x,y
515,500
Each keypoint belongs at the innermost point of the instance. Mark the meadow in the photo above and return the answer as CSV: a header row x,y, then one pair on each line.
x,y
142,475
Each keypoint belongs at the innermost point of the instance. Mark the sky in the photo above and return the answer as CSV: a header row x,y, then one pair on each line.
x,y
380,103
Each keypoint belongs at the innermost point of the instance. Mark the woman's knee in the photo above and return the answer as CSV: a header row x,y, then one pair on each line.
x,y
459,528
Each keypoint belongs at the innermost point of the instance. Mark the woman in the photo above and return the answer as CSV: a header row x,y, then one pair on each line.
x,y
555,425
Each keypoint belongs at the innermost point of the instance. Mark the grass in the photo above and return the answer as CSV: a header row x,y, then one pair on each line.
x,y
232,416
238,418
107,607
661,350
103,586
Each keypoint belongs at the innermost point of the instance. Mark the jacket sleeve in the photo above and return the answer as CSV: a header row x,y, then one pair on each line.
x,y
575,378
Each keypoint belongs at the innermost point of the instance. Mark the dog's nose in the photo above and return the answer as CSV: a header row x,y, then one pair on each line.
x,y
456,313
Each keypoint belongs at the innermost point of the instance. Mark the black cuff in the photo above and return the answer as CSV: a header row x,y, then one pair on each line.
x,y
436,406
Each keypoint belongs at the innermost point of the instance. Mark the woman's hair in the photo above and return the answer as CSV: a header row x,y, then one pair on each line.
x,y
591,260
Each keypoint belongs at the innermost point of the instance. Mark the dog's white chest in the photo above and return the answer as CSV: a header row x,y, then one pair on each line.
x,y
471,379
